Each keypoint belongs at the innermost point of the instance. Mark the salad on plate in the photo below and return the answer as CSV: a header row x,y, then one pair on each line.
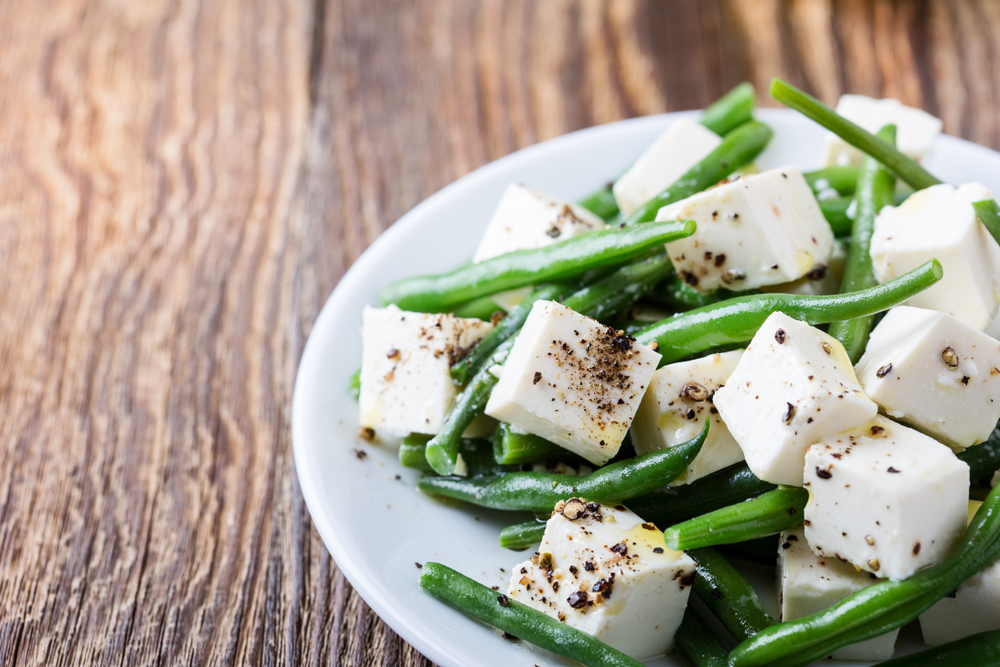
x,y
704,362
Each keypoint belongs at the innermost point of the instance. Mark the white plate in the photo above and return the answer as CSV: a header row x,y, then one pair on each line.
x,y
375,526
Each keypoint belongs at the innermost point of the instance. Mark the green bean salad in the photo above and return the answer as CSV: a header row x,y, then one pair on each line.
x,y
704,362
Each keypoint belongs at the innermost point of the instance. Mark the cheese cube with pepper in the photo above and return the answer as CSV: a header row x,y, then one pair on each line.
x,y
940,223
935,373
604,571
764,229
885,498
526,219
685,143
808,584
916,129
405,362
793,386
973,608
679,399
573,381
824,279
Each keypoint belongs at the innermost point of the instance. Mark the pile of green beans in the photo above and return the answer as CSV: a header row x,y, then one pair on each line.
x,y
874,191
767,514
517,619
565,259
477,453
539,492
879,608
738,319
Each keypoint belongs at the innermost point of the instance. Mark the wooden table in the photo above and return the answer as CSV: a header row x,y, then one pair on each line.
x,y
182,183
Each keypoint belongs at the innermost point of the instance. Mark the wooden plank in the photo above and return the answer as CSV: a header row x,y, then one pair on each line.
x,y
182,184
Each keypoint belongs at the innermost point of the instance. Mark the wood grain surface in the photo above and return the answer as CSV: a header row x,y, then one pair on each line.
x,y
183,182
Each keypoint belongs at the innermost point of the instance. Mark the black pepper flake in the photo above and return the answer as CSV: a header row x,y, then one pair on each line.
x,y
788,413
916,548
792,512
818,273
574,509
510,637
952,594
690,279
366,433
420,566
397,477
572,569
715,214
392,353
695,392
823,474
690,414
720,259
657,550
537,378
877,430
524,570
578,599
716,594
786,545
588,566
361,454
965,379
949,357
779,336
621,401
604,586
555,586
891,469
648,526
688,579
621,548
503,600
882,372
733,275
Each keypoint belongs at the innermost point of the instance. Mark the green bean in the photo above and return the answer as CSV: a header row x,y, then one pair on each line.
x,y
477,453
517,619
560,260
902,166
673,504
601,203
539,492
737,320
522,535
516,448
622,288
729,595
354,384
984,458
696,642
482,308
738,148
837,214
731,110
880,607
767,514
675,293
442,449
504,329
875,191
842,179
980,650
989,214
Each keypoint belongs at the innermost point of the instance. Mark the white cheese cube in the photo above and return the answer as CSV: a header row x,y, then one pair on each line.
x,y
809,584
684,144
675,407
973,608
939,222
573,381
824,279
602,570
526,219
793,386
405,362
934,372
764,229
916,129
885,498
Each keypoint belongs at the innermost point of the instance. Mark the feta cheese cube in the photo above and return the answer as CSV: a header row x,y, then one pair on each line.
x,y
885,498
934,372
602,570
974,608
405,362
684,144
675,407
916,129
526,219
809,584
764,229
939,222
793,386
573,381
